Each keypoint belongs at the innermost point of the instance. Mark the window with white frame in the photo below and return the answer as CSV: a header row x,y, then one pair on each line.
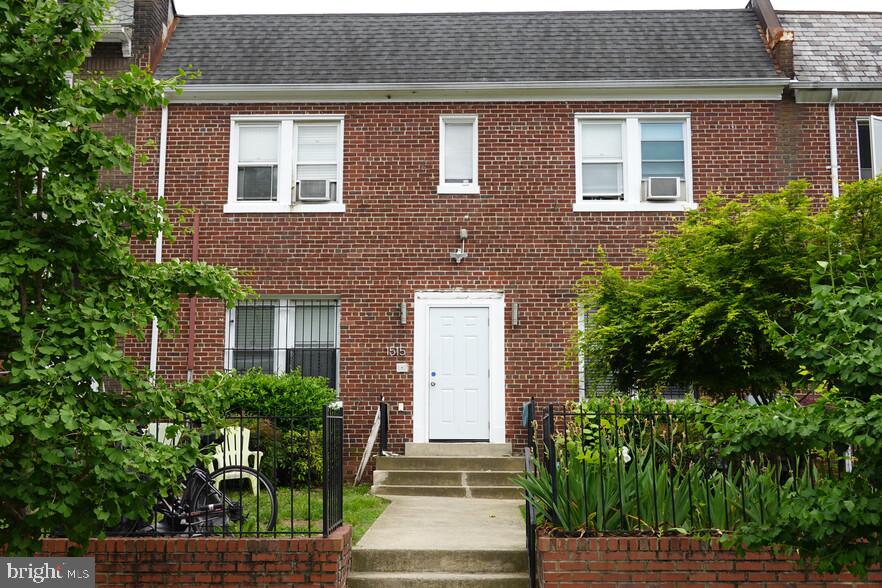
x,y
277,336
458,152
633,162
286,164
870,147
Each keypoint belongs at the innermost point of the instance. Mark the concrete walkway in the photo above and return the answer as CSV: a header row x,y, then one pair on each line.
x,y
423,522
441,542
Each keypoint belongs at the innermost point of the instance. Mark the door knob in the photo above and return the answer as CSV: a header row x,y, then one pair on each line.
x,y
432,383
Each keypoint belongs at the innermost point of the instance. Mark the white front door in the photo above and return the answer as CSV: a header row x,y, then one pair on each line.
x,y
459,373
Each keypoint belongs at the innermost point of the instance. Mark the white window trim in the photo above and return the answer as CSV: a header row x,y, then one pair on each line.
x,y
285,201
284,305
631,172
445,188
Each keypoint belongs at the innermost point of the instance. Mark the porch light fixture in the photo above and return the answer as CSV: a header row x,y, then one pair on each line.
x,y
460,253
515,314
402,313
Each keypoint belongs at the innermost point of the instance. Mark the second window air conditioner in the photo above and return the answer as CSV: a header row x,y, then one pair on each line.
x,y
662,188
316,190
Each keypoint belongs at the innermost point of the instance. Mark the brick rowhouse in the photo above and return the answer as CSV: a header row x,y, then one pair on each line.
x,y
396,234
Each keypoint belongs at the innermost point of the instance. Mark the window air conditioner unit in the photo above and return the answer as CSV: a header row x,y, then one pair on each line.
x,y
316,190
661,189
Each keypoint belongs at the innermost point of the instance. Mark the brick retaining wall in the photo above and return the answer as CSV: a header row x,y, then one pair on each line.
x,y
215,561
610,562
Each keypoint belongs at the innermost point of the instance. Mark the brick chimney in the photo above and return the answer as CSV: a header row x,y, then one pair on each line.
x,y
779,42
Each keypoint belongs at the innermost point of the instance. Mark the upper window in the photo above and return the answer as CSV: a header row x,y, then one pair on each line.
x,y
459,155
286,164
639,162
870,147
278,336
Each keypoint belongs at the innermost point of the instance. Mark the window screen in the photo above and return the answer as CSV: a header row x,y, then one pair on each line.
x,y
602,160
316,159
254,326
459,152
662,150
258,162
865,154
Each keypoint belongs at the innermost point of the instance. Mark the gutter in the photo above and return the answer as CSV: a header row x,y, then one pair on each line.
x,y
160,192
541,85
834,155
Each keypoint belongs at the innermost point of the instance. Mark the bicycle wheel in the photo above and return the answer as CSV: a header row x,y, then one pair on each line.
x,y
236,500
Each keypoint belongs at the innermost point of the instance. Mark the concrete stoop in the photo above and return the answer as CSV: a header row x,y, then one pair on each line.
x,y
462,470
441,568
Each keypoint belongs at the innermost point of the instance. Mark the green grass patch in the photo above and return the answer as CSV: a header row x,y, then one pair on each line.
x,y
301,511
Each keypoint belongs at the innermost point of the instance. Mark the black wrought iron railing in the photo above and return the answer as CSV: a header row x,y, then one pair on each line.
x,y
630,472
259,476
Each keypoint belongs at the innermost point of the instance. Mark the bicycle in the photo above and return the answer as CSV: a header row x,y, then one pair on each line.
x,y
205,507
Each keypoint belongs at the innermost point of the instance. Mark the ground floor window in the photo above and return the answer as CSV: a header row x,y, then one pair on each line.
x,y
281,335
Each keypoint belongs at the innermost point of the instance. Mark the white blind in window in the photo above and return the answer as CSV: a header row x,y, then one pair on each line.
x,y
602,141
317,172
258,144
458,152
316,143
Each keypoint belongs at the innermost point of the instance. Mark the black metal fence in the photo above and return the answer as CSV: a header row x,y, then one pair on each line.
x,y
630,472
278,336
260,476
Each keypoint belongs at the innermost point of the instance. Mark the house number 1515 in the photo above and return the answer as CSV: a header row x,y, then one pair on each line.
x,y
396,350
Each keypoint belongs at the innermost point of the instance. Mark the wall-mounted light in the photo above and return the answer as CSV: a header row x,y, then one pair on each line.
x,y
515,314
460,253
402,313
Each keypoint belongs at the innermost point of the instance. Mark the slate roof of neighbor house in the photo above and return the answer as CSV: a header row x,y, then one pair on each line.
x,y
470,47
836,47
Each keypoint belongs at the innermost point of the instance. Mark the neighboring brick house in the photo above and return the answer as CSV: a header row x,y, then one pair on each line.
x,y
134,33
413,196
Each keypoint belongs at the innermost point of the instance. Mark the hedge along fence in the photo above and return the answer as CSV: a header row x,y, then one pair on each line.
x,y
122,562
673,561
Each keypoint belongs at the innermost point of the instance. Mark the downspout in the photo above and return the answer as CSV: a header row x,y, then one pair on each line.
x,y
191,327
160,192
834,155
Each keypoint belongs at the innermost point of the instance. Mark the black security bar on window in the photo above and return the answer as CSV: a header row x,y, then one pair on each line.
x,y
282,335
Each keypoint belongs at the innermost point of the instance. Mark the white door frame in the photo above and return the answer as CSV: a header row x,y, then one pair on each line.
x,y
495,303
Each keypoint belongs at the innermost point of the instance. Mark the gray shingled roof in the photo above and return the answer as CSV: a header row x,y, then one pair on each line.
x,y
836,47
473,47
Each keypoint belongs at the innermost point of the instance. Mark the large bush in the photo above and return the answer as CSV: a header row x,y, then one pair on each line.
x,y
712,299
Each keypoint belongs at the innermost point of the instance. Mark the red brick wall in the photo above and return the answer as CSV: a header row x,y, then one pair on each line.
x,y
396,234
672,562
212,561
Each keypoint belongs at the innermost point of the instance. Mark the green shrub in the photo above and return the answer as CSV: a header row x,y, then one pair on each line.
x,y
286,395
291,442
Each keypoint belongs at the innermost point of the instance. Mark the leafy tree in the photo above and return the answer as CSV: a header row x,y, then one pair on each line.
x,y
70,289
837,336
709,297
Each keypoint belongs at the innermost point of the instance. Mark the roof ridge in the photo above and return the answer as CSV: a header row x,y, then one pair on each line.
x,y
482,13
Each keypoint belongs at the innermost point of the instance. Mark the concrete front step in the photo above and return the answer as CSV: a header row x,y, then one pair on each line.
x,y
436,580
499,492
457,449
496,561
439,478
451,464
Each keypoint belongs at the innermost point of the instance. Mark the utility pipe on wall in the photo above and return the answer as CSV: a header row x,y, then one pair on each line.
x,y
191,327
160,192
834,155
